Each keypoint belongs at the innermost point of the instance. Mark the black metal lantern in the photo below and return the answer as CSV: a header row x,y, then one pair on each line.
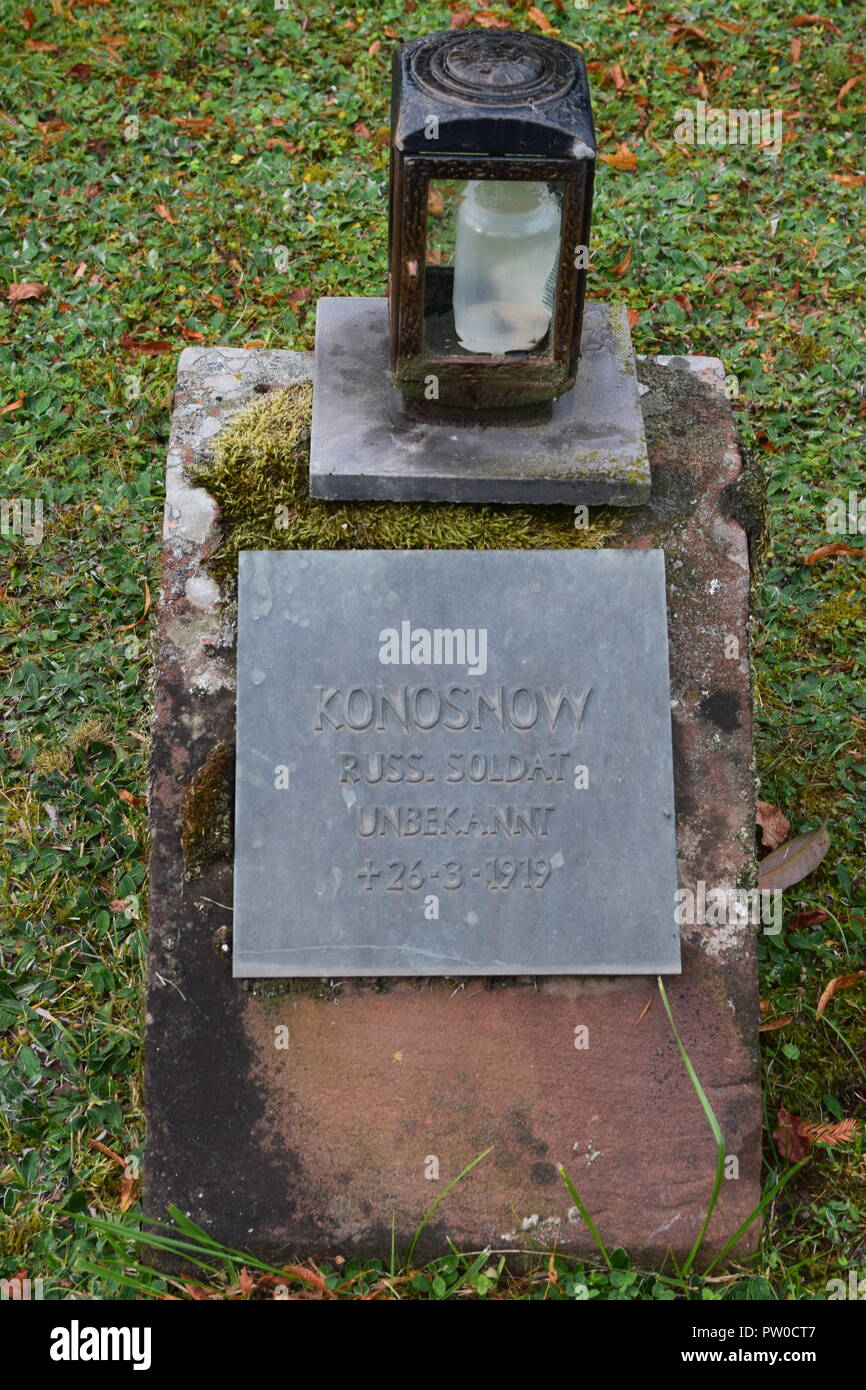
x,y
492,164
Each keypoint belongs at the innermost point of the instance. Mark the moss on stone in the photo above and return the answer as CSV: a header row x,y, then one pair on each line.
x,y
206,829
259,476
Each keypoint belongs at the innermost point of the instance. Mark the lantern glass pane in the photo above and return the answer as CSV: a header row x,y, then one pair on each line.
x,y
492,265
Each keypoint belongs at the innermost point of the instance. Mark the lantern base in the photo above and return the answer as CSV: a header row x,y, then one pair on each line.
x,y
588,447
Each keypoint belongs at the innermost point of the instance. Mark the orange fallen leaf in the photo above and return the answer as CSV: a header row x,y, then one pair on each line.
x,y
633,316
845,89
825,23
127,626
16,293
839,982
460,18
13,405
730,26
27,20
486,19
127,1193
149,349
620,270
849,180
41,46
104,1149
288,146
776,1023
362,130
684,302
192,335
834,548
194,125
374,48
623,159
840,1133
162,211
774,825
130,798
796,49
540,18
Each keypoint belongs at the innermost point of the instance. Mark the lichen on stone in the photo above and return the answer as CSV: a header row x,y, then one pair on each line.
x,y
206,826
259,476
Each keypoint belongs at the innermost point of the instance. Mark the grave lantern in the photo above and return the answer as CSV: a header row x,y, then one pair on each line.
x,y
492,163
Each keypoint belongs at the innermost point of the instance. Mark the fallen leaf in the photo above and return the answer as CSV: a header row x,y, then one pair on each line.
x,y
41,46
633,316
130,798
16,293
127,1193
622,269
730,26
802,19
127,626
191,335
540,18
80,72
679,32
685,303
104,1149
840,1133
246,1282
13,405
849,180
773,823
845,89
812,918
460,18
288,145
374,48
623,159
27,20
150,349
162,211
776,1023
796,49
486,19
215,300
839,982
793,1145
194,125
362,130
793,860
834,548
620,80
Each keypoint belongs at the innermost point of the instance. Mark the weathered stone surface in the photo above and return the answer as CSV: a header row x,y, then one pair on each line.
x,y
591,447
497,802
311,1149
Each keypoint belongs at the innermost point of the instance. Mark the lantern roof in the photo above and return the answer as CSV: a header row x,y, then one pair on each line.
x,y
493,92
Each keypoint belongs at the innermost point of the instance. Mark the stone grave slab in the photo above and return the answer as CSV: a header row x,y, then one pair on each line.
x,y
454,763
297,1117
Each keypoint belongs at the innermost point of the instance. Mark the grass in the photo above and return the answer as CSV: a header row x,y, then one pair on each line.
x,y
157,160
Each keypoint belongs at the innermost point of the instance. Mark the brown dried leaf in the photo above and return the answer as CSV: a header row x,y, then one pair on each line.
x,y
796,49
127,626
487,19
16,293
776,1023
793,1145
148,349
540,18
622,269
846,87
839,982
813,918
840,1133
460,18
774,825
194,125
13,405
793,860
27,20
849,180
162,211
804,19
623,159
41,46
834,548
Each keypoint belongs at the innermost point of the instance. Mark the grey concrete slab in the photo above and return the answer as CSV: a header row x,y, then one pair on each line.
x,y
454,762
591,449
